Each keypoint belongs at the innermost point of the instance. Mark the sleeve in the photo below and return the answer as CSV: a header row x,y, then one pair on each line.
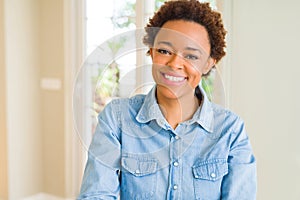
x,y
241,180
101,175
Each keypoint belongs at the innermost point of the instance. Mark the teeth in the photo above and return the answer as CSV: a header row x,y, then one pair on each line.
x,y
173,78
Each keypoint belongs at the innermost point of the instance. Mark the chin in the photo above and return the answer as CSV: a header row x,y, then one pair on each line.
x,y
174,93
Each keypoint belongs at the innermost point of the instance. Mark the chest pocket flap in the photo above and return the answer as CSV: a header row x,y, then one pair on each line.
x,y
139,166
211,169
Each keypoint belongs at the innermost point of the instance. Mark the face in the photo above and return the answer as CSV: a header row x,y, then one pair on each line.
x,y
180,56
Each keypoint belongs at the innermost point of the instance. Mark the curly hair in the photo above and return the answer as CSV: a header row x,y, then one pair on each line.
x,y
190,10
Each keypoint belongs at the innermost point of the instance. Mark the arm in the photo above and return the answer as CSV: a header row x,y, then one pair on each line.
x,y
101,177
240,182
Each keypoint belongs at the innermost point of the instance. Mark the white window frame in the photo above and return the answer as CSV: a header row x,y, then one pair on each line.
x,y
74,56
226,8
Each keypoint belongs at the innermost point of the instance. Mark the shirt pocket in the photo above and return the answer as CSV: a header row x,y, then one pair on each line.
x,y
208,176
139,177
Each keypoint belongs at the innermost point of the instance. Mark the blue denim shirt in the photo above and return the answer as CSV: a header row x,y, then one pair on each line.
x,y
136,155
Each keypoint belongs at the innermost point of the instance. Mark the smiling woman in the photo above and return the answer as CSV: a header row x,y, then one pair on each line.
x,y
172,142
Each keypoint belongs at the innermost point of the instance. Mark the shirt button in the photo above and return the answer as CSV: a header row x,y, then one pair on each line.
x,y
137,171
213,175
175,187
175,164
176,137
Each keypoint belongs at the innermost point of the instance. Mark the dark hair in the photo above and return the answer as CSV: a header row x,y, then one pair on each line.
x,y
190,10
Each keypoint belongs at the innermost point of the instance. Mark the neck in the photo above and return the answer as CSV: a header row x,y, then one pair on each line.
x,y
177,110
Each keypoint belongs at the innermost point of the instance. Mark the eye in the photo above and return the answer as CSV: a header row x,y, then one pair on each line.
x,y
191,57
164,51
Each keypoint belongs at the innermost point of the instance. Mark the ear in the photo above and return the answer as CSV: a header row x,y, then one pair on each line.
x,y
151,53
210,63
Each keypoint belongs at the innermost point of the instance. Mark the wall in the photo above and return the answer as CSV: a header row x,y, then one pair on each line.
x,y
264,89
32,131
23,98
52,66
3,136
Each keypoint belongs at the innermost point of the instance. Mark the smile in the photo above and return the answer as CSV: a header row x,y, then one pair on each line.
x,y
174,78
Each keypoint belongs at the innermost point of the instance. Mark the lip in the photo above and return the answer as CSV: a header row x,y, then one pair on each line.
x,y
176,78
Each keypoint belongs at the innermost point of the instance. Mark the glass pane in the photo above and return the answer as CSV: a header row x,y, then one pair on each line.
x,y
121,75
101,77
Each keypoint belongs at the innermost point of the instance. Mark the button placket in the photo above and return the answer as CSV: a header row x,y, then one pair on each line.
x,y
175,170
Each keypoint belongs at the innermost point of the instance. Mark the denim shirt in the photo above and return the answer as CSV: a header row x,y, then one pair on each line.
x,y
135,154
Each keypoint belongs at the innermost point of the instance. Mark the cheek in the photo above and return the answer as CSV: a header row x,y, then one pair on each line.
x,y
195,76
194,71
159,60
155,71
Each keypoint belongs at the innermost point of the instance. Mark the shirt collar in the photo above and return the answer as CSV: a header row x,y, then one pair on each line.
x,y
150,111
204,115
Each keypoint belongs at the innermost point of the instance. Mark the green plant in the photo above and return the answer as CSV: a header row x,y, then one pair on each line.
x,y
107,79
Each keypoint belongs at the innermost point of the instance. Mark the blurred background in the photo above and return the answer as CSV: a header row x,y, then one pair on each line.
x,y
45,43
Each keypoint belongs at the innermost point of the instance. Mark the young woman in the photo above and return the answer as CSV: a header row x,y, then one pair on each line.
x,y
173,143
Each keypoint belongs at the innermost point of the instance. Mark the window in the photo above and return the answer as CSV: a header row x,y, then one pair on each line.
x,y
118,74
95,28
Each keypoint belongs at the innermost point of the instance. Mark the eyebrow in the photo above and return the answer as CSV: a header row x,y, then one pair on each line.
x,y
187,48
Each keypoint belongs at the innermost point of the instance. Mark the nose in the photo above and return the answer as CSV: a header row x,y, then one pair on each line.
x,y
176,62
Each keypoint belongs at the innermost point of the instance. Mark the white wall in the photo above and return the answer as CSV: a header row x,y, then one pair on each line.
x,y
24,138
36,147
52,66
264,89
3,135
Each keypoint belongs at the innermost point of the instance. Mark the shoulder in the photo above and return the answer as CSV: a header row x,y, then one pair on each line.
x,y
226,119
220,110
125,104
119,109
134,101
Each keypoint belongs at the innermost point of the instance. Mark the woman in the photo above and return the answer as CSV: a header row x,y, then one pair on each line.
x,y
173,143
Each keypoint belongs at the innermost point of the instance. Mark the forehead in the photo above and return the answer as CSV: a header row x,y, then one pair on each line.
x,y
184,33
